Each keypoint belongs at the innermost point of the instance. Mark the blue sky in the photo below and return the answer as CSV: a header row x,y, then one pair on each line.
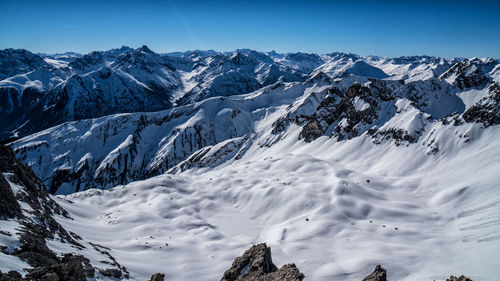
x,y
385,28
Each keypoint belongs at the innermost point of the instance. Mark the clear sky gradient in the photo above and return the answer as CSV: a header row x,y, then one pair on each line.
x,y
385,28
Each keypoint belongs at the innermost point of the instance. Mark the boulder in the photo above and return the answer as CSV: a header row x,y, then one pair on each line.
x,y
157,277
256,265
461,278
379,274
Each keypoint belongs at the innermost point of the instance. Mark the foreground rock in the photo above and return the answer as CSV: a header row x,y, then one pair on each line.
x,y
70,267
256,265
157,277
379,274
461,278
20,187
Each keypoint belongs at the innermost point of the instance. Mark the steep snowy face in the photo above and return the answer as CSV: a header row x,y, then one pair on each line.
x,y
302,62
97,84
17,61
361,68
350,109
95,59
471,73
241,72
121,148
412,68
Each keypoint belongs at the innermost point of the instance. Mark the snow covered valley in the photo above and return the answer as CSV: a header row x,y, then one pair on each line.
x,y
334,211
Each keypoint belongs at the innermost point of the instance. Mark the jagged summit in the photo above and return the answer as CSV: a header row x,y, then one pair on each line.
x,y
144,49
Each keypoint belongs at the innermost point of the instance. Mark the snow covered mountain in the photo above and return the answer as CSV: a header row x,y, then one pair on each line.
x,y
338,162
118,149
38,91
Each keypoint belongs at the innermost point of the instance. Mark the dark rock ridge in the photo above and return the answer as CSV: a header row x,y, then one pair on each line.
x,y
346,112
487,110
256,265
37,223
461,278
379,274
157,277
470,73
70,267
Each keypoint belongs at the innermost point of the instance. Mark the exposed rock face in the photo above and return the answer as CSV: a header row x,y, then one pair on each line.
x,y
157,277
35,194
9,207
379,274
487,110
41,223
461,278
69,268
111,272
19,184
256,265
470,73
10,276
353,106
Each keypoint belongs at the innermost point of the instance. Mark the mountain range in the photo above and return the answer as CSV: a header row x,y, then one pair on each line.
x,y
339,162
38,91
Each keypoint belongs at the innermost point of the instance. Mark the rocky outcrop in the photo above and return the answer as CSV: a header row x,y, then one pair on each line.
x,y
18,184
68,268
11,276
345,114
157,277
379,274
111,272
487,110
256,265
470,73
461,278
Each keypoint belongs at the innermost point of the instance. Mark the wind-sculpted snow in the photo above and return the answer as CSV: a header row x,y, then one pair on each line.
x,y
335,210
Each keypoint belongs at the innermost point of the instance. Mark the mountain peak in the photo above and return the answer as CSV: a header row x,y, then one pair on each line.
x,y
145,49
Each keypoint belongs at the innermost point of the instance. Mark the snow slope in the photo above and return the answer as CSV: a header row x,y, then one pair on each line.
x,y
334,209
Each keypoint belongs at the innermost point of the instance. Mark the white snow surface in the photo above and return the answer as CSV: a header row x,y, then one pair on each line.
x,y
360,104
423,217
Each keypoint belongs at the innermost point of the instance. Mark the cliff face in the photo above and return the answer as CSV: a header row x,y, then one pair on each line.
x,y
28,219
